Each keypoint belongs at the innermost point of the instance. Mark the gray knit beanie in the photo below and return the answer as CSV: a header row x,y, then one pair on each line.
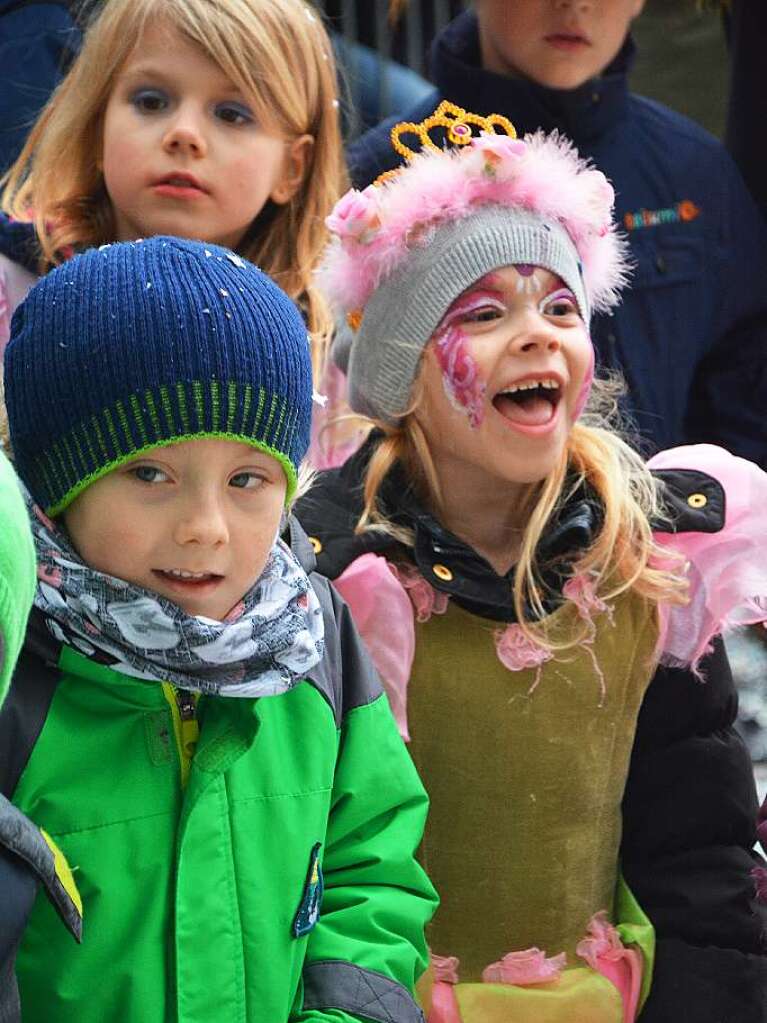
x,y
403,313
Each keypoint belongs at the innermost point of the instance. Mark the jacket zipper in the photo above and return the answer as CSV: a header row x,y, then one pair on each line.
x,y
186,728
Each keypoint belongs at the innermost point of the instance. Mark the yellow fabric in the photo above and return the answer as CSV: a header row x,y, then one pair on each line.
x,y
524,830
64,872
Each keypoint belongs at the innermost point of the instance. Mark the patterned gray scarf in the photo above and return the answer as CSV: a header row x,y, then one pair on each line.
x,y
267,643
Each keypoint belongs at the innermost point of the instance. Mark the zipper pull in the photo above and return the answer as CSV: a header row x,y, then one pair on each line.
x,y
187,707
190,727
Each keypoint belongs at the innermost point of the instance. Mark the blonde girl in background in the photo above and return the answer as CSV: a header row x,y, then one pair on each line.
x,y
540,604
215,120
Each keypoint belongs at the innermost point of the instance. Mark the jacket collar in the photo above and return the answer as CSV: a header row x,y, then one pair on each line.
x,y
334,504
582,114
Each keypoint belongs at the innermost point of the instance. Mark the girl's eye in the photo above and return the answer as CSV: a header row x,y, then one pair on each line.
x,y
485,314
561,304
234,113
149,101
149,474
246,481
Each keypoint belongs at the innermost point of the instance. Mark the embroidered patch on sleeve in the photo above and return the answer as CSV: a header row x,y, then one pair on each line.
x,y
309,908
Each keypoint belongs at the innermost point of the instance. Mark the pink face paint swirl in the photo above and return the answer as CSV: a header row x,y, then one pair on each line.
x,y
460,377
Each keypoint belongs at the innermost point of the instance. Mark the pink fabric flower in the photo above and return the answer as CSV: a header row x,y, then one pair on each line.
x,y
604,951
355,216
425,599
444,1007
603,940
580,590
525,968
445,968
517,651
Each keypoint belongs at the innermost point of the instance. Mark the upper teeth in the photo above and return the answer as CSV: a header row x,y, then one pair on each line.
x,y
530,385
186,575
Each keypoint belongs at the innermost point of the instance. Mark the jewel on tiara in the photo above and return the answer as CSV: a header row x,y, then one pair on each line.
x,y
459,125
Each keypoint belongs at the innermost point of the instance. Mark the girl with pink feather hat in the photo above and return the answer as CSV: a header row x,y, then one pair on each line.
x,y
543,606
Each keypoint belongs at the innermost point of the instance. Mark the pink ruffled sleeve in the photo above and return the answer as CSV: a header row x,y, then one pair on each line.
x,y
728,569
383,613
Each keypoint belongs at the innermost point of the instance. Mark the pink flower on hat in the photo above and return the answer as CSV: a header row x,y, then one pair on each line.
x,y
600,198
355,216
499,153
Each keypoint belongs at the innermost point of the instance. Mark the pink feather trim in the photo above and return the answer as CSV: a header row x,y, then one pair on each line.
x,y
374,229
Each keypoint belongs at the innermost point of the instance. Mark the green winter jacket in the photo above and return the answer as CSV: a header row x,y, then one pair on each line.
x,y
201,875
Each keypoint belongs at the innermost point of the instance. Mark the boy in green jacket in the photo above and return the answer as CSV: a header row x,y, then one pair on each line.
x,y
214,754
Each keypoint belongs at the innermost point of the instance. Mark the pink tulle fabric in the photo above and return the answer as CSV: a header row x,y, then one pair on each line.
x,y
332,441
374,229
604,951
525,968
727,570
383,613
15,282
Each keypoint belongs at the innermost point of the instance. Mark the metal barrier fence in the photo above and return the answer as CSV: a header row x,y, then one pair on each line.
x,y
384,56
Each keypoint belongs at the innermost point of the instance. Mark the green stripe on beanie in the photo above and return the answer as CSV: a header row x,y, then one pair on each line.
x,y
141,344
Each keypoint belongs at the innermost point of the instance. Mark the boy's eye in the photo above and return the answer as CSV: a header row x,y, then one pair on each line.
x,y
234,113
149,474
246,480
149,101
561,304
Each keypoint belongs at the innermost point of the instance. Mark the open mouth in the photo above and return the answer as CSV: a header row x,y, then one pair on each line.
x,y
531,402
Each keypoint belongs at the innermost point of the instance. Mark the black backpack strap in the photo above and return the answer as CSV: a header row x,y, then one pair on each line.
x,y
29,698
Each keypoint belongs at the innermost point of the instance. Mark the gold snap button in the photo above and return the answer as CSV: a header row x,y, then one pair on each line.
x,y
316,545
442,572
697,500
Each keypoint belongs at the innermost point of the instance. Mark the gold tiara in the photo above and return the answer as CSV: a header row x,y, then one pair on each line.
x,y
458,123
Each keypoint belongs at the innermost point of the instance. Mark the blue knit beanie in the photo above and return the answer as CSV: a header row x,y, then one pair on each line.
x,y
140,344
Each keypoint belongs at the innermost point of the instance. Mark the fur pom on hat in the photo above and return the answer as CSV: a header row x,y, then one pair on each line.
x,y
376,229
